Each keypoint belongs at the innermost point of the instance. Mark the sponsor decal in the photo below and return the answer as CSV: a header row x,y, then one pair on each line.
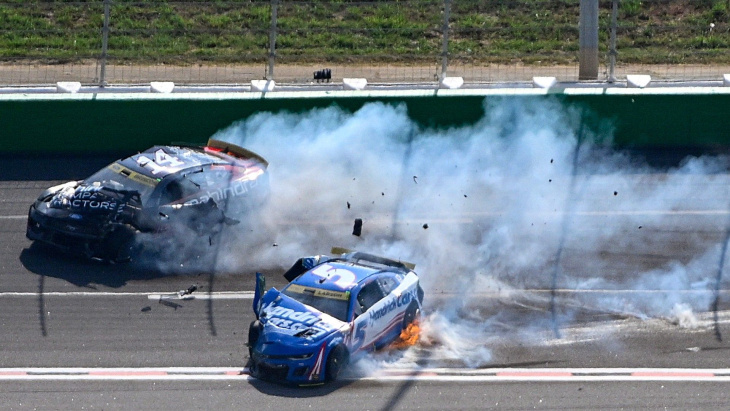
x,y
317,292
289,319
395,302
133,175
90,198
237,189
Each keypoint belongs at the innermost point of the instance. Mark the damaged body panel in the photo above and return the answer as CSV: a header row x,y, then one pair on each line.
x,y
334,310
148,192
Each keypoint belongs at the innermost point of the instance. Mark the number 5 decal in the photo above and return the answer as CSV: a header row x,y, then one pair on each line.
x,y
344,278
359,336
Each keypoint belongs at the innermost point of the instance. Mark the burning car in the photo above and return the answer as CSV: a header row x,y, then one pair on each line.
x,y
198,186
333,310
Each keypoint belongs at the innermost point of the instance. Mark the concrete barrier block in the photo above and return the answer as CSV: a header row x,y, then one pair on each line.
x,y
263,86
68,86
638,80
451,82
354,83
544,82
162,86
726,80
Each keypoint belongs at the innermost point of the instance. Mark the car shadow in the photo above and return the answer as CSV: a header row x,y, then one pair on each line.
x,y
49,262
289,391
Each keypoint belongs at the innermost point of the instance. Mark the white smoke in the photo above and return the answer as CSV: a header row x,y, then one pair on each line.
x,y
491,213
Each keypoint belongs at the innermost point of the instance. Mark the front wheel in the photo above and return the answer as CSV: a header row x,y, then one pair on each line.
x,y
118,245
336,362
254,332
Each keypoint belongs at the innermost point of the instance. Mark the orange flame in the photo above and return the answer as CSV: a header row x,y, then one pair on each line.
x,y
409,336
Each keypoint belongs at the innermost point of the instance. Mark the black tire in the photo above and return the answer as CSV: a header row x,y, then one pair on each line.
x,y
336,361
254,332
412,314
117,245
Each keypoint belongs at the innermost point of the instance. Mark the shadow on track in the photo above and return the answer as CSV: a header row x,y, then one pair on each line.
x,y
48,262
279,390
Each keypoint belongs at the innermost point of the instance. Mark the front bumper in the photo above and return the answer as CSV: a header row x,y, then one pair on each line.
x,y
69,236
284,370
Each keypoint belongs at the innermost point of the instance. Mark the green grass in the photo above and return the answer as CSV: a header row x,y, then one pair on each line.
x,y
397,31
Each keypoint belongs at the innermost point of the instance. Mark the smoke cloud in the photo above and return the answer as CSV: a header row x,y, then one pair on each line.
x,y
496,215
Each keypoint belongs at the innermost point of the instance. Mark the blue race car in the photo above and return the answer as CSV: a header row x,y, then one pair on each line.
x,y
333,310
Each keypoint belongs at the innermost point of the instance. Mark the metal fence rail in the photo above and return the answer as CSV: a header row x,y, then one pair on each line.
x,y
385,41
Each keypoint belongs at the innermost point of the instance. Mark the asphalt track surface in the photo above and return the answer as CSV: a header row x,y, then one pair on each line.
x,y
85,335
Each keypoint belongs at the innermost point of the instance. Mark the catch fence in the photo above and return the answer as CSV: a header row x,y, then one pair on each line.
x,y
117,42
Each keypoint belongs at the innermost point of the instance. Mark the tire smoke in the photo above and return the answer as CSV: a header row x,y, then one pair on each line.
x,y
498,198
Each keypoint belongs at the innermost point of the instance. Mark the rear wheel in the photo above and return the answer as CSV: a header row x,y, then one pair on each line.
x,y
412,314
336,362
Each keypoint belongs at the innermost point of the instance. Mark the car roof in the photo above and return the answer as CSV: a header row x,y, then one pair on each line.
x,y
337,275
186,157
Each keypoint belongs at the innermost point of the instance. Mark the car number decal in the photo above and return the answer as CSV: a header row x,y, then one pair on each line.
x,y
162,163
345,278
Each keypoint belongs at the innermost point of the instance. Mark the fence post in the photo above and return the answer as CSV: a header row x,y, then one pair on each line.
x,y
104,44
445,45
272,39
612,47
588,39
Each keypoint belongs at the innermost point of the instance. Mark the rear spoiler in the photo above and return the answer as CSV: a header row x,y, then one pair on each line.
x,y
238,150
355,256
306,263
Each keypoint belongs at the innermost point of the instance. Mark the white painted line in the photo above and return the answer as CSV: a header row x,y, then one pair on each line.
x,y
13,217
239,295
425,374
247,295
218,295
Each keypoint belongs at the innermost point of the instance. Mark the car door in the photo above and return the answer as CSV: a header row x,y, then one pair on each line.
x,y
374,313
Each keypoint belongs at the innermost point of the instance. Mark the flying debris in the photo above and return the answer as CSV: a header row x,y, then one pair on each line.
x,y
348,205
357,228
425,226
415,179
189,291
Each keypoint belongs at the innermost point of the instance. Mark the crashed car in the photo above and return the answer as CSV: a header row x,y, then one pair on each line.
x,y
198,186
334,310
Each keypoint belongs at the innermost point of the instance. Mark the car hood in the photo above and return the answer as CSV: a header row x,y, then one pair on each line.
x,y
89,199
289,322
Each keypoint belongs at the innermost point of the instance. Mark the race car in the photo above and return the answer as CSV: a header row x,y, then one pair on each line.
x,y
198,186
334,310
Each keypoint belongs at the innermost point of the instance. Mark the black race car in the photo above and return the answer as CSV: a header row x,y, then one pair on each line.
x,y
198,186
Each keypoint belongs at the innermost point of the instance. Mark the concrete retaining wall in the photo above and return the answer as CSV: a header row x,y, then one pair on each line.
x,y
88,122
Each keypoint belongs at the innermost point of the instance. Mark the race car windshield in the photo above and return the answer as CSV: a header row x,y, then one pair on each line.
x,y
334,303
118,177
